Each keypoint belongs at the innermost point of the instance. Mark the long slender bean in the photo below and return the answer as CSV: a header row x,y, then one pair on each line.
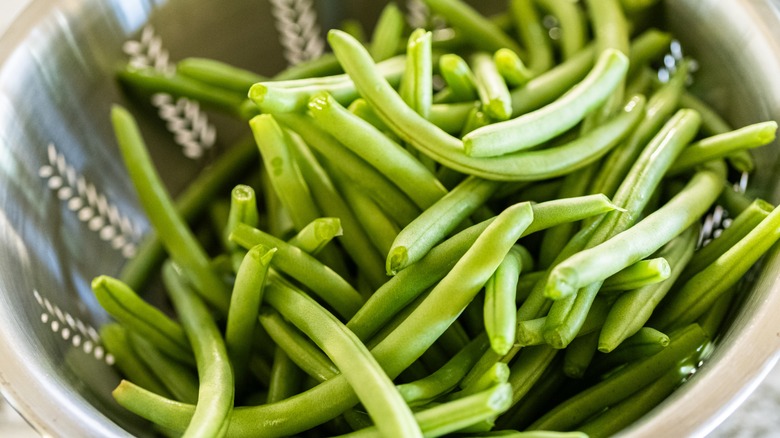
x,y
553,119
458,76
177,378
115,339
243,209
571,19
640,274
216,384
528,368
171,228
218,73
500,296
532,33
387,33
579,354
511,68
318,233
285,379
417,83
492,90
374,388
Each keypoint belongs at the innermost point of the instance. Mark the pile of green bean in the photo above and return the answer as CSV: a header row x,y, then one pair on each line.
x,y
488,232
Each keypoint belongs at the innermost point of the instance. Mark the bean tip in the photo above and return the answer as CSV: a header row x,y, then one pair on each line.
x,y
397,259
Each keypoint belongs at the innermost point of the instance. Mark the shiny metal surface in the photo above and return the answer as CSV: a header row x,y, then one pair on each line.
x,y
68,213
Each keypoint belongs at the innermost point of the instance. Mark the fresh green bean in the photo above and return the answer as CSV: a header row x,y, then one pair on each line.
x,y
302,351
642,344
571,19
528,368
456,415
218,74
553,119
374,388
640,274
278,220
392,200
381,230
482,33
387,33
323,281
629,380
422,391
511,68
243,209
177,378
190,203
632,310
712,319
496,375
124,305
355,28
325,65
532,33
610,29
491,87
283,97
721,145
500,295
416,87
387,156
531,332
216,384
150,81
115,339
244,306
318,233
436,222
698,293
173,231
286,378
639,241
459,77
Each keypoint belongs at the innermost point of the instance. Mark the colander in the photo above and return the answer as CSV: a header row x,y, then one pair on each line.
x,y
69,213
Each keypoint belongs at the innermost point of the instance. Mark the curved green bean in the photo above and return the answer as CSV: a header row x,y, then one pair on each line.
x,y
387,33
115,338
218,73
640,274
532,33
492,90
216,384
171,228
571,18
500,295
458,76
318,233
536,127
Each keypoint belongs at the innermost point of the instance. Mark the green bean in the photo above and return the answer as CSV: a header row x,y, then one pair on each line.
x,y
302,351
459,77
381,230
374,388
748,219
387,33
325,65
579,354
173,231
532,33
436,222
639,241
177,378
318,233
392,200
284,175
218,74
500,295
243,209
477,119
385,155
640,274
449,117
660,106
641,82
632,310
150,81
244,305
573,33
482,33
642,344
115,339
526,282
417,83
283,97
355,28
491,87
286,378
554,118
712,319
619,416
698,293
456,415
323,281
124,305
719,146
527,434
495,375
622,384
216,384
528,368
531,332
356,242
190,203
633,6
422,391
278,220
536,400
609,25
511,68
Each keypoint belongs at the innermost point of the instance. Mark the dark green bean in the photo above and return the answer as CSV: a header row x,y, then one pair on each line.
x,y
511,68
492,90
528,368
218,74
387,33
500,296
532,33
325,65
180,380
216,384
640,274
571,19
286,378
171,228
115,339
243,209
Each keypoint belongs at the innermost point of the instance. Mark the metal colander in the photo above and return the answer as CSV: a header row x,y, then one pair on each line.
x,y
69,213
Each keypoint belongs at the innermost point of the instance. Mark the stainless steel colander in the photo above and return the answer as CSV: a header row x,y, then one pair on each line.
x,y
68,211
